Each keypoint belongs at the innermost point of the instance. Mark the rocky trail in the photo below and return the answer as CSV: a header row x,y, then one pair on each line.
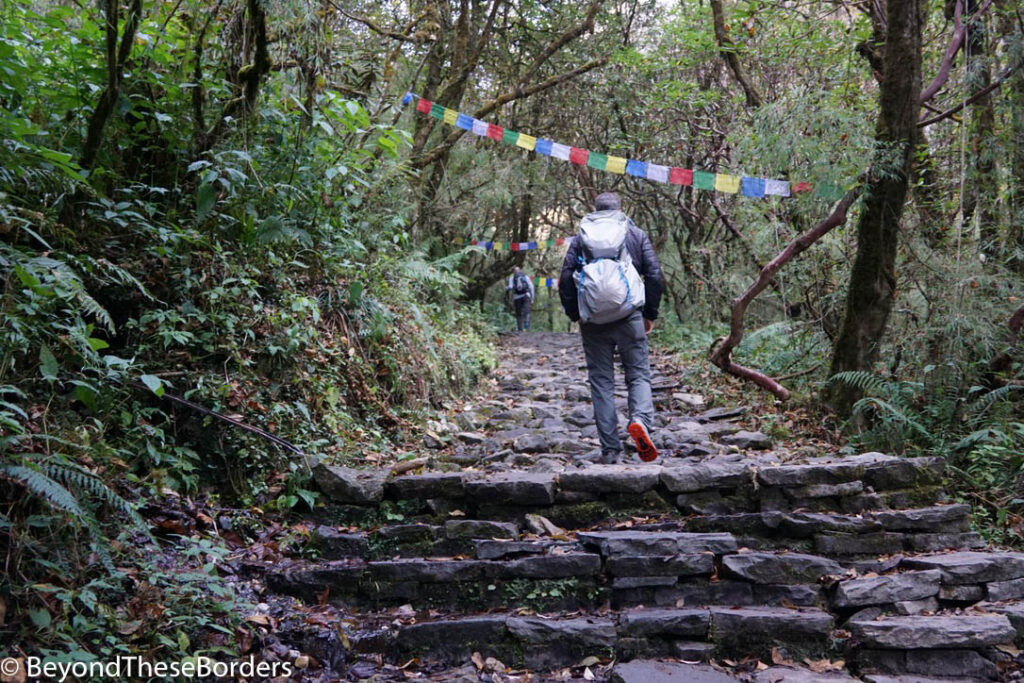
x,y
508,555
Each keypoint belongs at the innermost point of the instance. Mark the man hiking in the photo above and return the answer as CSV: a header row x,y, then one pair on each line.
x,y
520,288
601,287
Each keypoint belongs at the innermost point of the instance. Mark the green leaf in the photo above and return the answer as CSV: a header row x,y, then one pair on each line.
x,y
355,293
40,617
87,395
48,366
206,197
98,344
154,383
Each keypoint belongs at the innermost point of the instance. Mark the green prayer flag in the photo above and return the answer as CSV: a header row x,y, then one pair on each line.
x,y
829,191
510,137
437,111
703,180
598,161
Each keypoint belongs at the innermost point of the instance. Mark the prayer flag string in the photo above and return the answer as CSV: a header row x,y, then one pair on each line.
x,y
745,186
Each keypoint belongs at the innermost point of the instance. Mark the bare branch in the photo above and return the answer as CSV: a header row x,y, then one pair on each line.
x,y
955,44
728,50
721,352
1007,72
405,36
519,93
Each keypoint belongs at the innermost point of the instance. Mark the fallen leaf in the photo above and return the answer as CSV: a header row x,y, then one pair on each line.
x,y
588,674
478,661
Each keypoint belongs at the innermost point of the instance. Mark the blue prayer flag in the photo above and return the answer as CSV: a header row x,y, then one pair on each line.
x,y
637,168
753,187
464,122
531,245
407,98
543,146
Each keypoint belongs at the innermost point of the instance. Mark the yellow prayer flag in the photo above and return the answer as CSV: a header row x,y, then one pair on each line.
x,y
727,183
616,165
450,116
499,246
526,141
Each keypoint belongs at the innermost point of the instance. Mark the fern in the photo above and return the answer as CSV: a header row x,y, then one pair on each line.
x,y
46,488
868,382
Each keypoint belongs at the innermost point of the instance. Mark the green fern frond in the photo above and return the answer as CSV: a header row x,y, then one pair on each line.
x,y
867,382
76,477
46,488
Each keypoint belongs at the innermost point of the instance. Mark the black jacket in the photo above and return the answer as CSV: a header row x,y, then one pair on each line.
x,y
644,259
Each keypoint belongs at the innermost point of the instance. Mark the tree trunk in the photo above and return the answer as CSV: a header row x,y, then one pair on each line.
x,y
872,287
982,189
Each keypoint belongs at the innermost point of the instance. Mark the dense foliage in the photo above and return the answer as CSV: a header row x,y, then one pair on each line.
x,y
263,272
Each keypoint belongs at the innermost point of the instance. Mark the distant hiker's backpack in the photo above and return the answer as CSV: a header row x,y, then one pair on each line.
x,y
608,287
520,284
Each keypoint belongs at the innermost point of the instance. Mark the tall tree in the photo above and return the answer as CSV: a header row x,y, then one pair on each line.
x,y
872,287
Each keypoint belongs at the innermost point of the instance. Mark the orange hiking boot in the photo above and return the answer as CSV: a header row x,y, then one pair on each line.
x,y
644,446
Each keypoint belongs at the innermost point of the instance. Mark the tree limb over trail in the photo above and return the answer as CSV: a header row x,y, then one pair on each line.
x,y
721,351
519,93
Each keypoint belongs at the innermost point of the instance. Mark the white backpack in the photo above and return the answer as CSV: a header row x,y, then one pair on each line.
x,y
608,286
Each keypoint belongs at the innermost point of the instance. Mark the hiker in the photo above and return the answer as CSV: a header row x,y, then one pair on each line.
x,y
520,288
600,286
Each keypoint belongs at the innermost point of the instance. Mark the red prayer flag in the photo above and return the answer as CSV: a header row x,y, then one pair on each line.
x,y
423,106
680,176
560,241
801,187
514,246
495,132
578,156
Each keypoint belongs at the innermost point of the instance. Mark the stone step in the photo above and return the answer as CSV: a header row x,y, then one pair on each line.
x,y
716,486
800,532
546,642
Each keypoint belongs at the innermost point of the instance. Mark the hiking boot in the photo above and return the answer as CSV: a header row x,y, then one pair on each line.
x,y
610,458
644,446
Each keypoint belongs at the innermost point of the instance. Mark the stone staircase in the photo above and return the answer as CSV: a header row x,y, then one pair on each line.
x,y
513,547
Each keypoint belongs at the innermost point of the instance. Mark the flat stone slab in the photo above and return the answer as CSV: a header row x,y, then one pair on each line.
x,y
611,479
426,486
918,632
513,488
334,544
493,550
880,543
889,588
427,571
657,542
821,472
962,664
546,567
808,524
644,671
351,486
971,567
709,475
452,638
665,622
772,624
478,528
787,674
784,568
1006,590
555,642
941,518
745,440
683,564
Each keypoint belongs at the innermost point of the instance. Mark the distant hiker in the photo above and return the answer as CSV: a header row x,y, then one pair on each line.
x,y
600,286
520,288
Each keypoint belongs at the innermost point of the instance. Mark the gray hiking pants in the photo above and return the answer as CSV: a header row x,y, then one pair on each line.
x,y
599,345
